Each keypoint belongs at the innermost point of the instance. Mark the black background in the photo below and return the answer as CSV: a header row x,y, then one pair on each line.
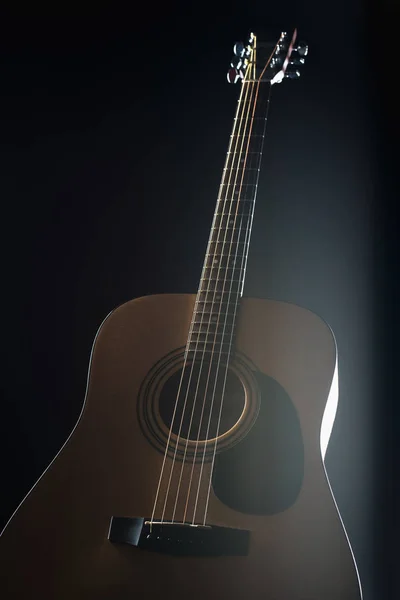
x,y
114,128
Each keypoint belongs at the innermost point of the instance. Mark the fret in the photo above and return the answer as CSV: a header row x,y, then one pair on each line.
x,y
221,281
213,321
246,195
231,226
192,350
233,214
230,200
223,329
243,159
240,167
218,336
203,330
226,216
235,202
231,247
244,144
247,135
220,286
243,209
221,296
210,345
252,119
223,229
227,220
229,235
224,260
208,307
199,326
249,153
238,184
227,254
234,207
238,195
253,153
224,313
202,348
223,273
224,257
236,230
208,349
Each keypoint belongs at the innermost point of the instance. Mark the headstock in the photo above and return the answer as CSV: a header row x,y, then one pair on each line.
x,y
260,61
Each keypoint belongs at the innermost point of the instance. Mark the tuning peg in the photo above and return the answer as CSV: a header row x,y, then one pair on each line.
x,y
292,74
236,62
247,50
296,61
276,60
301,49
280,48
238,49
234,75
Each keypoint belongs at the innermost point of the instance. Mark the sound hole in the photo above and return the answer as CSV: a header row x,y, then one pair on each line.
x,y
209,401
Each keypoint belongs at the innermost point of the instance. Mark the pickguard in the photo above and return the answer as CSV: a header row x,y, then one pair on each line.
x,y
263,473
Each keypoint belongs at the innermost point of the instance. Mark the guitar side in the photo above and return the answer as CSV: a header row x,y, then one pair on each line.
x,y
56,544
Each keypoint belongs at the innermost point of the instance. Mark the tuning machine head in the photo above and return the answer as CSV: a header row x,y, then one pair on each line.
x,y
238,49
267,64
287,58
297,61
239,63
244,50
242,56
234,75
301,49
289,74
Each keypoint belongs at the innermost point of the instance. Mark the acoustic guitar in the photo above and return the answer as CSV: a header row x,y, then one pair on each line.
x,y
196,468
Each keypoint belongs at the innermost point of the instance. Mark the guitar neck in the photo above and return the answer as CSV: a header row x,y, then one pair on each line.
x,y
224,269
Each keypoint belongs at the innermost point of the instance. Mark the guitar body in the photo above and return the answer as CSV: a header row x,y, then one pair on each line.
x,y
56,546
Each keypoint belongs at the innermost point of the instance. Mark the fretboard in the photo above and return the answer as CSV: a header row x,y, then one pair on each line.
x,y
222,279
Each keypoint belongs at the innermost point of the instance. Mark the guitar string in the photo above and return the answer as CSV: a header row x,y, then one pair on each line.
x,y
168,445
245,254
203,313
242,268
167,448
242,273
174,414
249,123
238,122
194,356
215,293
